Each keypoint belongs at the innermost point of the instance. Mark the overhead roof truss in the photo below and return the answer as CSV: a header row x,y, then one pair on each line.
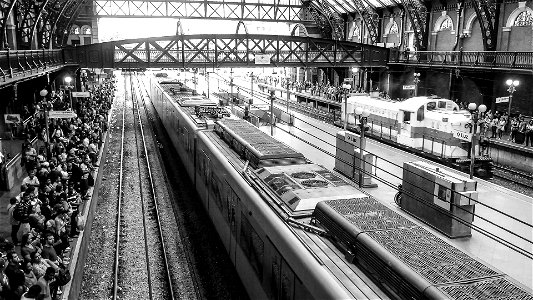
x,y
274,11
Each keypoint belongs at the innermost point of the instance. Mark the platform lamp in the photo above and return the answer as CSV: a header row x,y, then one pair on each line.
x,y
43,93
231,88
68,80
416,81
362,114
346,87
272,98
512,88
477,113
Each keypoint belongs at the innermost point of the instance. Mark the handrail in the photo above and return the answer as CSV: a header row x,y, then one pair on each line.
x,y
21,62
521,60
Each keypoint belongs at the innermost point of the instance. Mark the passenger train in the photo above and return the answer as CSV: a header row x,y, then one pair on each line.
x,y
425,123
295,230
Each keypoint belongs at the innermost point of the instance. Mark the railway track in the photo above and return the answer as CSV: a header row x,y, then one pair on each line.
x,y
522,179
138,228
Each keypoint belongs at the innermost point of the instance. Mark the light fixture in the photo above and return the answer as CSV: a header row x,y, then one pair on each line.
x,y
68,79
43,93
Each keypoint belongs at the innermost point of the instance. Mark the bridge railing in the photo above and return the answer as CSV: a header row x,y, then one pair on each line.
x,y
15,63
483,59
231,50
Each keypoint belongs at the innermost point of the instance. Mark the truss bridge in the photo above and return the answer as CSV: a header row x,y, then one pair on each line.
x,y
227,50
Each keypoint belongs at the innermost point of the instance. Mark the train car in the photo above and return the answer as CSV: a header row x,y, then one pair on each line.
x,y
295,230
425,123
260,195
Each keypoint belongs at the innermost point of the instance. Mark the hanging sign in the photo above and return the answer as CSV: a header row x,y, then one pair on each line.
x,y
409,87
502,99
81,94
12,118
262,59
61,114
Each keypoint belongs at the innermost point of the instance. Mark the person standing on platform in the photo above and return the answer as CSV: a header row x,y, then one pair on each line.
x,y
522,126
514,129
494,126
529,133
15,225
501,127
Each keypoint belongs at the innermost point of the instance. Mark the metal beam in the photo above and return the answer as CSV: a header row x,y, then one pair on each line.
x,y
418,15
487,13
370,19
7,9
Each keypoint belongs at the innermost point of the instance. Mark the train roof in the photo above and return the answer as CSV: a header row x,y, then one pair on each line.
x,y
258,147
184,96
301,187
411,104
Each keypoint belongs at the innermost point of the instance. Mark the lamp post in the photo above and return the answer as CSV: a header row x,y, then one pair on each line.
x,y
346,87
477,114
272,97
208,75
43,94
288,94
416,80
362,114
68,80
512,88
252,85
231,88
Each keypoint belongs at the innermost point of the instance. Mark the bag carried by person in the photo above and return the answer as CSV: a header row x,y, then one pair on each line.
x,y
90,180
63,276
80,222
21,213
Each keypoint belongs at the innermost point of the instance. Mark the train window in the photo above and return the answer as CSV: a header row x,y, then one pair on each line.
x,y
406,116
442,104
287,281
431,105
252,246
217,190
420,114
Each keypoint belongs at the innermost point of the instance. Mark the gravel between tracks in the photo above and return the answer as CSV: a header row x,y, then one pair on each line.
x,y
97,275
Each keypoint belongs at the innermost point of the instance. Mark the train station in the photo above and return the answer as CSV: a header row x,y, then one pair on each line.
x,y
365,149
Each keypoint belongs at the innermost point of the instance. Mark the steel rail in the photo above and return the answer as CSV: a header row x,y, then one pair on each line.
x,y
188,254
139,94
119,202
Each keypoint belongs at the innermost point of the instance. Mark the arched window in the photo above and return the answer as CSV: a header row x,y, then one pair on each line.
x,y
394,28
86,29
524,19
75,29
446,25
356,36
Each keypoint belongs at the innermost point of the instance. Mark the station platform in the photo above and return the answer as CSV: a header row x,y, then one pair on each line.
x,y
501,213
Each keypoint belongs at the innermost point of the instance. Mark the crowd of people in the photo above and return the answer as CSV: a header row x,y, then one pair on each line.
x,y
45,216
324,90
519,128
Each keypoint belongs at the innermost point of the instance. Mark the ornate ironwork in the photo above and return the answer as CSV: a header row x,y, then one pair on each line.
x,y
277,11
328,21
417,12
6,7
214,51
370,19
486,11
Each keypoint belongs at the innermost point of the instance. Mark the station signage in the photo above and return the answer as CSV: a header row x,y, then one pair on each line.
x,y
353,138
465,136
262,59
61,114
81,94
348,79
409,87
12,118
502,99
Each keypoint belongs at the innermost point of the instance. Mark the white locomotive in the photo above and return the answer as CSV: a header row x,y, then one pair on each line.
x,y
424,123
